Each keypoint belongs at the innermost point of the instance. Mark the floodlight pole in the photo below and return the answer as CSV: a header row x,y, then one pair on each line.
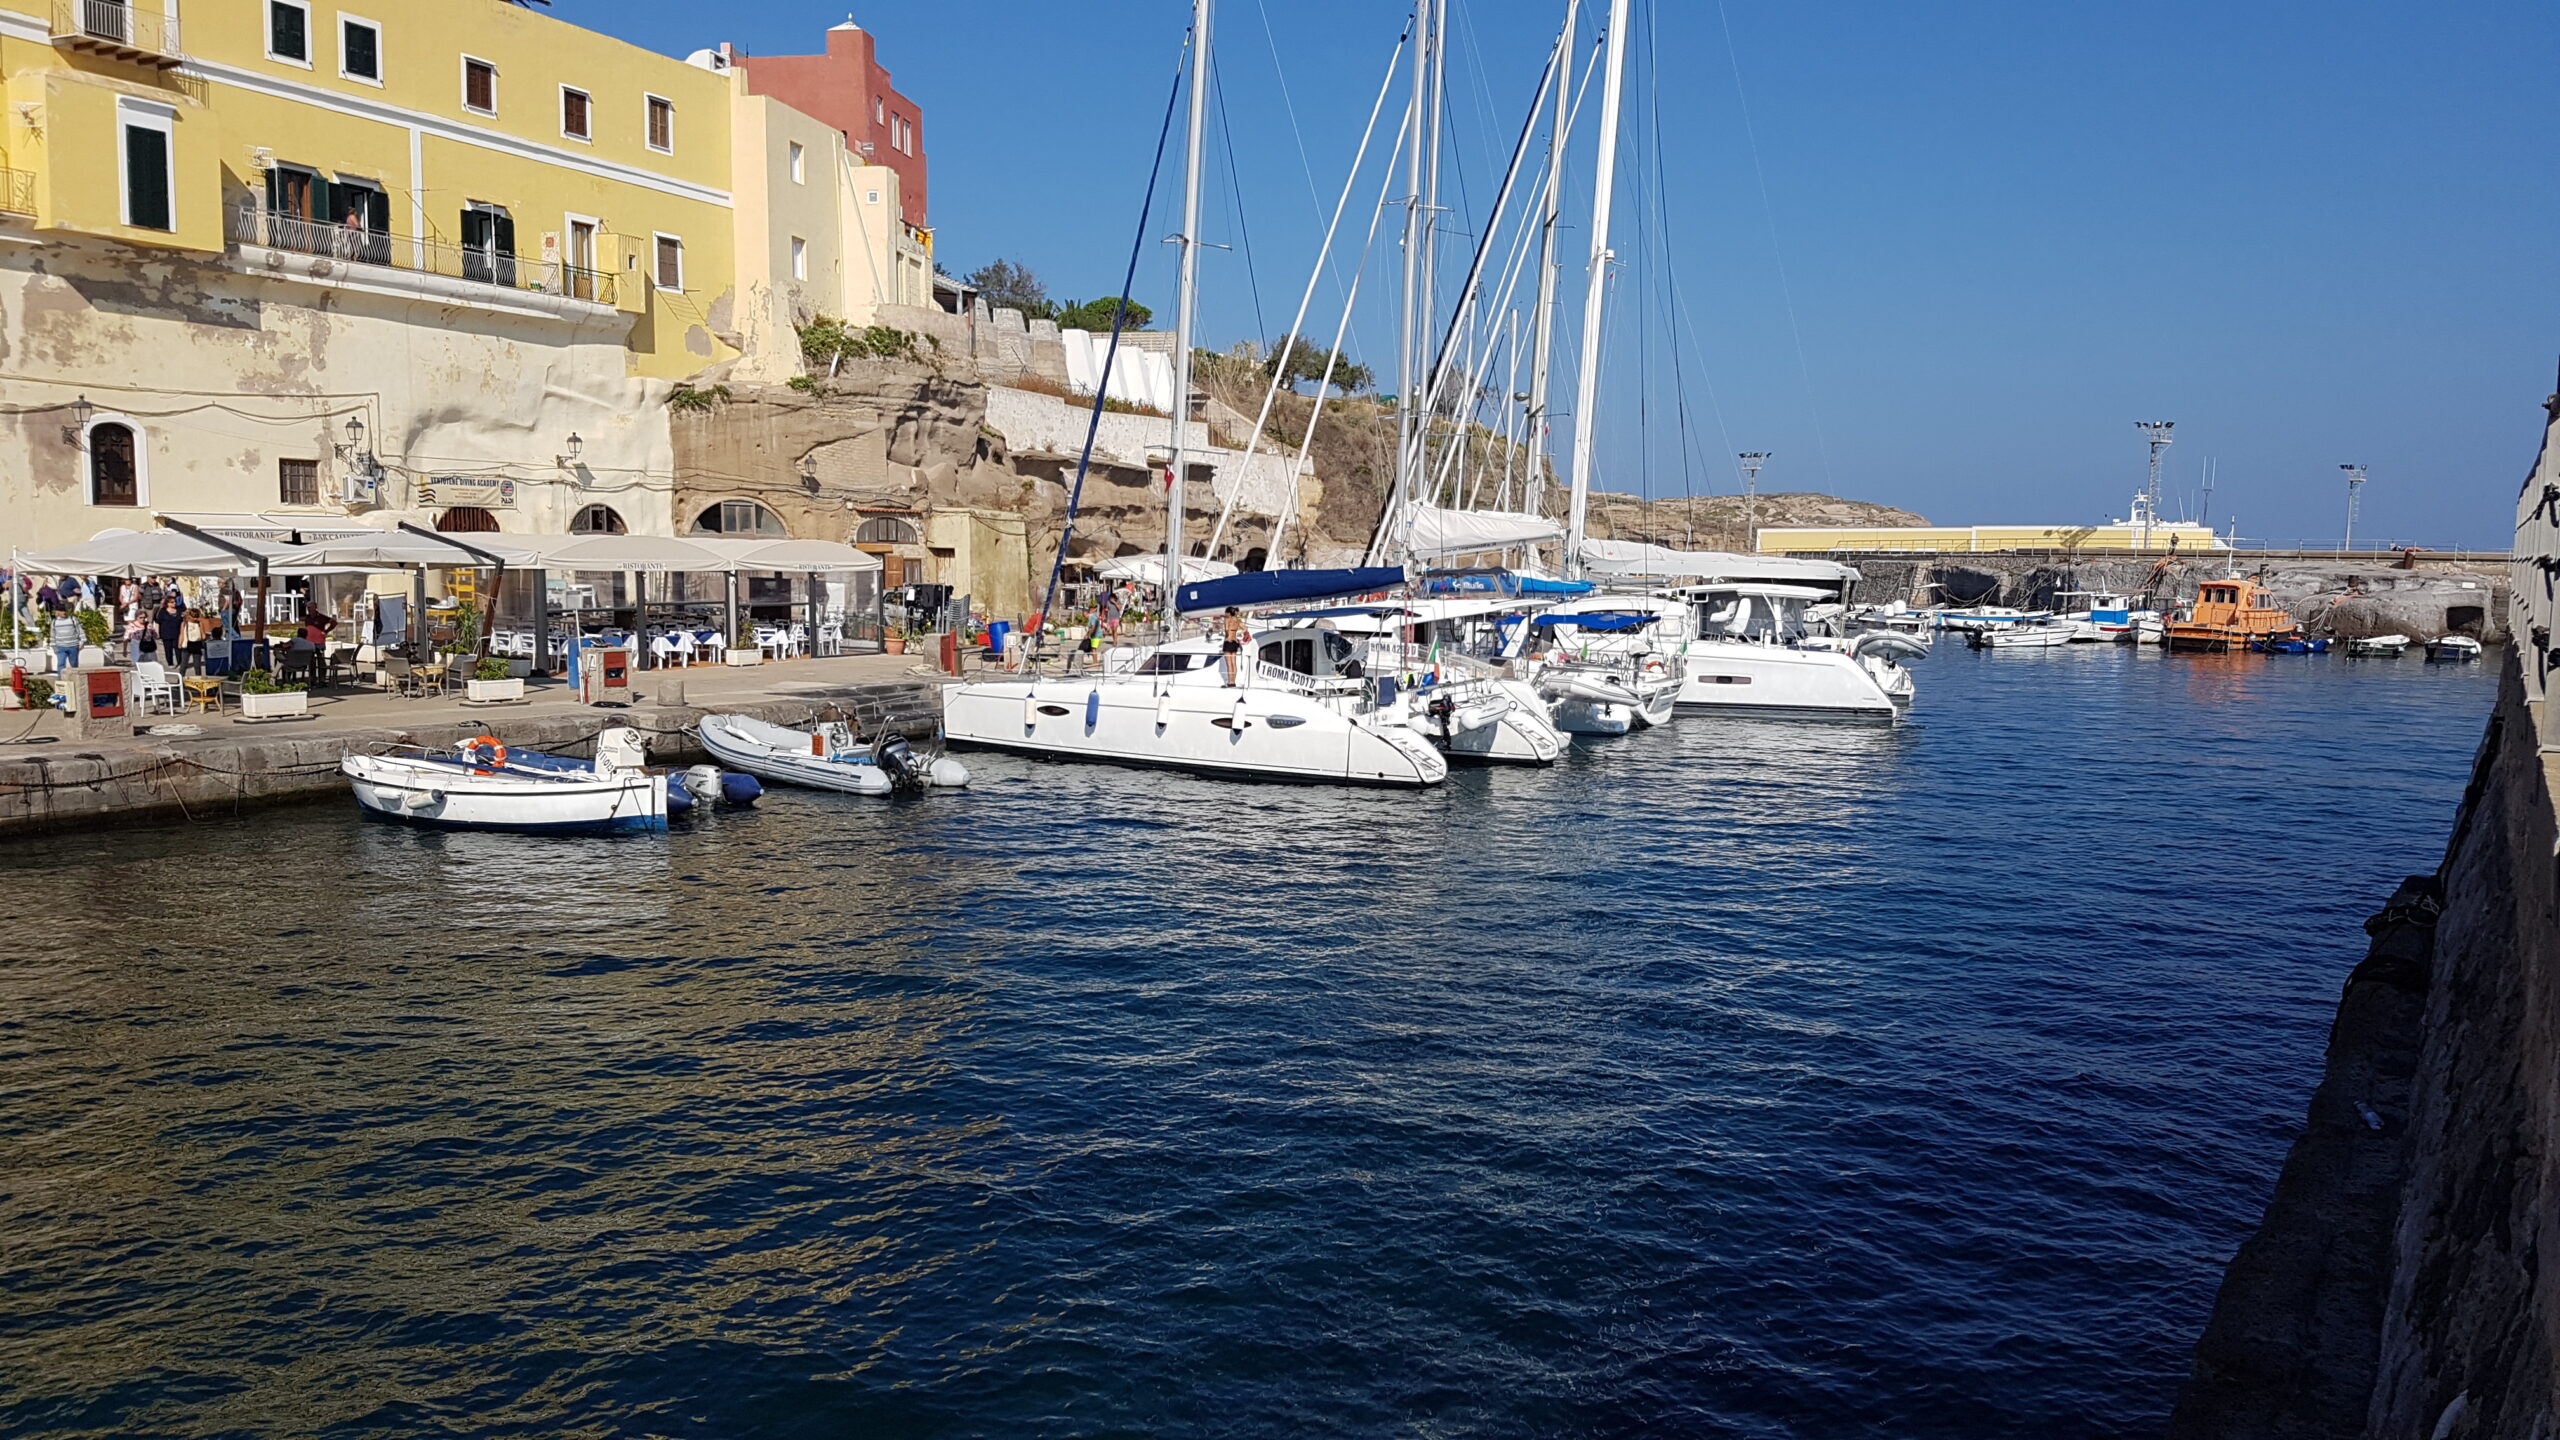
x,y
2355,496
1751,460
2157,432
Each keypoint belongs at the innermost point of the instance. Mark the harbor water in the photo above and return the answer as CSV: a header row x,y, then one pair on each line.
x,y
1737,1078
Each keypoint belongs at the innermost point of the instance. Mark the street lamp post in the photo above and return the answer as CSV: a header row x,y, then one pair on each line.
x,y
2157,432
1751,460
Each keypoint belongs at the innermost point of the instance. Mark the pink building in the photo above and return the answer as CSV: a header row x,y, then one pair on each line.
x,y
848,89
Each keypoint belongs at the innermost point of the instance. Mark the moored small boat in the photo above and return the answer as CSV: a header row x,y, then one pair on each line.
x,y
2043,635
828,757
2233,614
2290,645
2454,648
482,785
2378,645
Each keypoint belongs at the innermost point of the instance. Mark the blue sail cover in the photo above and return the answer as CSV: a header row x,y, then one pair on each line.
x,y
1278,587
1498,582
1597,620
1532,585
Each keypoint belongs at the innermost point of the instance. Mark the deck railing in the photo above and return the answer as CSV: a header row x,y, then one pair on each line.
x,y
257,225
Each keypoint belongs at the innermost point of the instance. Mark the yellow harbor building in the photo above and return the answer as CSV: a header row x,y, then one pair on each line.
x,y
440,261
2163,537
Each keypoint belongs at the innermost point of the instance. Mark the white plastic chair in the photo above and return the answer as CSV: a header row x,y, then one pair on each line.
x,y
796,639
831,638
152,682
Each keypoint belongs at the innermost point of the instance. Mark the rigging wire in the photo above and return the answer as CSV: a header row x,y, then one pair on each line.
x,y
1119,319
1235,194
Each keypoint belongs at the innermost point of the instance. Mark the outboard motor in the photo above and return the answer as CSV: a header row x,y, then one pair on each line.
x,y
908,772
1440,708
703,781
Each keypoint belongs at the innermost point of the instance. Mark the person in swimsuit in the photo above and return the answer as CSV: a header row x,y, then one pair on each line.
x,y
1232,630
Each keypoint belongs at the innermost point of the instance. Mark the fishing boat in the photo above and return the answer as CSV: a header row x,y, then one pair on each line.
x,y
2045,635
2378,646
481,785
2103,617
2453,648
827,757
2231,614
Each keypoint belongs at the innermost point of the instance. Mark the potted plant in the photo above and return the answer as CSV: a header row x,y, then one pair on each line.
x,y
742,647
894,640
491,684
263,697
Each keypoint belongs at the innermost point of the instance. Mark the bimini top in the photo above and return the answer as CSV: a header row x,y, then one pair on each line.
x,y
1611,620
1279,587
1767,592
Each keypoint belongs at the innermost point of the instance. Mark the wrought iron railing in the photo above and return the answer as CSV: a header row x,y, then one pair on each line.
x,y
141,28
17,192
277,230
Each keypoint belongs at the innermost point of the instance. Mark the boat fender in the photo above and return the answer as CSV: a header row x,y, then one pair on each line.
x,y
1164,709
1030,710
950,774
740,789
421,799
497,749
1093,707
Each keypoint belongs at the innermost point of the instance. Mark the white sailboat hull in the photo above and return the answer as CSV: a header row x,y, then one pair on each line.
x,y
1262,733
1747,679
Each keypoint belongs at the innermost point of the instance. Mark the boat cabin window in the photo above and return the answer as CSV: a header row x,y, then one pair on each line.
x,y
1172,662
1751,617
2221,595
1314,652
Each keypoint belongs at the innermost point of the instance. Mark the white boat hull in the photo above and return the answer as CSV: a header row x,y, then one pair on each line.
x,y
1261,733
1745,679
741,748
1521,735
450,795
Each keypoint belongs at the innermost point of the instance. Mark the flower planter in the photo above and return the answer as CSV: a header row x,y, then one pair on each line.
x,y
894,644
493,691
742,655
275,706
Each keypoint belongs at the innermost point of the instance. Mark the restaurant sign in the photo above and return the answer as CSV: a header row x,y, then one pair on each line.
x,y
488,492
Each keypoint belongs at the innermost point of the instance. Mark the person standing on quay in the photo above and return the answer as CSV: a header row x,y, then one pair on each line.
x,y
171,621
230,608
68,637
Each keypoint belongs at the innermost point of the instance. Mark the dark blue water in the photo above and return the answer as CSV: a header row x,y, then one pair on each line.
x,y
1735,1079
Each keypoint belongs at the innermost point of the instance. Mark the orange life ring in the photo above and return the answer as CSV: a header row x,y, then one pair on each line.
x,y
497,750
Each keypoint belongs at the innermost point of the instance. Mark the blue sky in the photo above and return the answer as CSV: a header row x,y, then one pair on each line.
x,y
1939,256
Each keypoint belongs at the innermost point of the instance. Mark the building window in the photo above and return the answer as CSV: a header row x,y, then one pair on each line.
x,y
359,49
662,125
149,202
573,114
799,258
886,530
298,482
670,263
738,517
879,111
114,477
479,86
289,32
799,163
598,520
488,245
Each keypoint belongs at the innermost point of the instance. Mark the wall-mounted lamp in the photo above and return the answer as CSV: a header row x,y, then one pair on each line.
x,y
355,433
76,433
577,447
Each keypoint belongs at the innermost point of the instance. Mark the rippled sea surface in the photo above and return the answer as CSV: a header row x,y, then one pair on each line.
x,y
1733,1079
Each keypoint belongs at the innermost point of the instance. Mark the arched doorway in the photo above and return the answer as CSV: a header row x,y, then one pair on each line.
x,y
467,520
883,535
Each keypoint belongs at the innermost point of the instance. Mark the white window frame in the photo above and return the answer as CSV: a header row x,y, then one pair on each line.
x,y
799,258
799,155
565,132
463,78
646,101
379,65
148,115
141,462
655,279
879,111
267,39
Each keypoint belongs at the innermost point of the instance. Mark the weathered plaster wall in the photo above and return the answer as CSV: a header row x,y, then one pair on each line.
x,y
223,372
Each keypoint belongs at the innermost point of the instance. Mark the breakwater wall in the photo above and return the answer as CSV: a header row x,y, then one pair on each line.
x,y
74,784
2345,599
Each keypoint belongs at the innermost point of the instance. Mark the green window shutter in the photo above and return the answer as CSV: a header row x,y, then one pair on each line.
x,y
506,233
146,172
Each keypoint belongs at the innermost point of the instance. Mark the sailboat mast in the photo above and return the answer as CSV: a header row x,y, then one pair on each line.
x,y
1542,337
1185,308
1427,301
1409,343
1595,298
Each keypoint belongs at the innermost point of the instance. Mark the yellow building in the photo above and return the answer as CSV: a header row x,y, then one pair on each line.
x,y
2184,537
488,238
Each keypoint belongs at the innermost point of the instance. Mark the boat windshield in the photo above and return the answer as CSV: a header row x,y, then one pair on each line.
x,y
1310,652
1768,618
1172,662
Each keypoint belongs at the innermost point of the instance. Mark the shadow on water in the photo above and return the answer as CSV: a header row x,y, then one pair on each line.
x,y
1730,1078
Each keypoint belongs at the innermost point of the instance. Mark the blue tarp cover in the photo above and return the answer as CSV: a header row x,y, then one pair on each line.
x,y
1499,582
1278,587
1597,620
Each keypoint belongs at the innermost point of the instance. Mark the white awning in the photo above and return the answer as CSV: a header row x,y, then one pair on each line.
x,y
798,557
131,554
1149,569
277,526
1433,531
1637,558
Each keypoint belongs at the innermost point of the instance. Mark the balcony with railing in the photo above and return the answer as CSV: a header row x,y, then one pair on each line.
x,y
17,191
290,234
140,30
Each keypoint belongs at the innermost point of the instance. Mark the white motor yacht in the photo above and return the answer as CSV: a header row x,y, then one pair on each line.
x,y
1756,652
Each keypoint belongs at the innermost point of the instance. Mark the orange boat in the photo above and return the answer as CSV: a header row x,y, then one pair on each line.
x,y
2228,615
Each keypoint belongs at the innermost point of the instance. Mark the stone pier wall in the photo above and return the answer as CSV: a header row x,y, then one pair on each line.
x,y
73,785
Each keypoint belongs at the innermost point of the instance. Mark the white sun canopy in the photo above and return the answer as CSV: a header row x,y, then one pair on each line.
x,y
1635,557
1433,531
823,557
1149,569
133,553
